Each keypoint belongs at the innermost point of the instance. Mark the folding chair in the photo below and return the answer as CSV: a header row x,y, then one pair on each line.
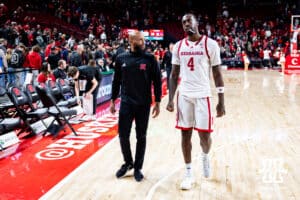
x,y
59,113
55,91
33,118
7,108
67,92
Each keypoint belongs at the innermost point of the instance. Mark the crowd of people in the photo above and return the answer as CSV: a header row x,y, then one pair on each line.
x,y
25,44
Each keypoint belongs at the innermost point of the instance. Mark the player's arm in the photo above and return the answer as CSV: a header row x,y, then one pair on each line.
x,y
219,83
173,82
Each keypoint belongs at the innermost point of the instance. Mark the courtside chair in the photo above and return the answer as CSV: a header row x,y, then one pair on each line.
x,y
67,92
59,113
32,117
55,91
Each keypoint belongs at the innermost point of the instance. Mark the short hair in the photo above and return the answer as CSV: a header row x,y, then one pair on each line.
x,y
60,62
72,71
92,62
191,14
36,48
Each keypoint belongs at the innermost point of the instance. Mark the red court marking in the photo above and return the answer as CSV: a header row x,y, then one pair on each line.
x,y
35,165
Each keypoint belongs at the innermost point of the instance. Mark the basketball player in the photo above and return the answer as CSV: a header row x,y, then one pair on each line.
x,y
135,72
194,57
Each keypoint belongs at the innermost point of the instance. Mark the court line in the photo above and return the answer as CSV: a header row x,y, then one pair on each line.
x,y
74,172
158,183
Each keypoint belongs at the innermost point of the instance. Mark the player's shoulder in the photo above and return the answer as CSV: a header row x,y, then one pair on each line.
x,y
211,43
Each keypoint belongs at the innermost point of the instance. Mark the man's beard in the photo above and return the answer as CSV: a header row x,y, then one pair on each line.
x,y
138,49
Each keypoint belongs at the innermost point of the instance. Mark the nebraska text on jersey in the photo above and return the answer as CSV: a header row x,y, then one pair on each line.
x,y
195,60
191,53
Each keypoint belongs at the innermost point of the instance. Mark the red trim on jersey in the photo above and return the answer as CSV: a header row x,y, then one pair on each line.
x,y
209,113
186,42
204,130
177,114
206,49
183,128
199,40
179,48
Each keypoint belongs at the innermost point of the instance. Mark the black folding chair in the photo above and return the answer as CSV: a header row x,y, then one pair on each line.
x,y
67,92
59,113
56,93
7,108
32,117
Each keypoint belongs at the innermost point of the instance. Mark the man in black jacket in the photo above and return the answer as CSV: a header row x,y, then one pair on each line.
x,y
135,72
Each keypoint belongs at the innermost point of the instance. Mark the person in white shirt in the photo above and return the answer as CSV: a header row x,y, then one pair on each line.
x,y
267,58
193,58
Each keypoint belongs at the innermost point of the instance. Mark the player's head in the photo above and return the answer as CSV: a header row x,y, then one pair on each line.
x,y
137,41
190,24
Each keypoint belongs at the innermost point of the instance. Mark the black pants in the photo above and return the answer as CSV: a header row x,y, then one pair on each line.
x,y
140,114
95,93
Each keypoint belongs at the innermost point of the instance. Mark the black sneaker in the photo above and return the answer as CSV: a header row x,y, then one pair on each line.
x,y
138,175
123,170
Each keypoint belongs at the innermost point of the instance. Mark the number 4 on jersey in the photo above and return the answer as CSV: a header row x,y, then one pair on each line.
x,y
191,63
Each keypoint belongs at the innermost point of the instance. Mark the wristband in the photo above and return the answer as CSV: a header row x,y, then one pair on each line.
x,y
220,90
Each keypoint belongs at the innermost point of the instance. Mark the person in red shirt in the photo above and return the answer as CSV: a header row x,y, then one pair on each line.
x,y
45,74
35,62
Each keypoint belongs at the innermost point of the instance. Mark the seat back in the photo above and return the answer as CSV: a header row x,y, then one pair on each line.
x,y
18,97
31,93
45,96
2,91
54,89
64,88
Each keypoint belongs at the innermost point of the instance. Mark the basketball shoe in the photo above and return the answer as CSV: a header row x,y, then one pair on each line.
x,y
187,182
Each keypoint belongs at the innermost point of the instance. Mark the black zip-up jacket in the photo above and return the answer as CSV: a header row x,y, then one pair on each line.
x,y
135,73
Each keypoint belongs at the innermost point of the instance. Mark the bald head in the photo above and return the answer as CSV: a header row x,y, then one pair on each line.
x,y
137,41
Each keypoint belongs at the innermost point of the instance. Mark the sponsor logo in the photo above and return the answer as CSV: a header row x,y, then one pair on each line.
x,y
67,146
142,66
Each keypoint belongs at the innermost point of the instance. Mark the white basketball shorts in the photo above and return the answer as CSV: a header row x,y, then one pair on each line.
x,y
194,113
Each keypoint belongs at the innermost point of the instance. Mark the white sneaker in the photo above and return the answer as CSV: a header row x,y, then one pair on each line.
x,y
205,166
187,183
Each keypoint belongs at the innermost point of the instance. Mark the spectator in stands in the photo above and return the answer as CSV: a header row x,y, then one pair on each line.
x,y
53,58
35,61
117,49
167,61
3,62
102,66
45,74
60,72
76,56
49,47
99,53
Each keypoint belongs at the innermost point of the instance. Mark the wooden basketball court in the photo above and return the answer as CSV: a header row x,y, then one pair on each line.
x,y
255,152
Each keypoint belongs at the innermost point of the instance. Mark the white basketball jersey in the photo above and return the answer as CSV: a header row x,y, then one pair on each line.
x,y
195,60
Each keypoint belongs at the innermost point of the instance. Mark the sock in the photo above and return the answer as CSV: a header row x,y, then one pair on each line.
x,y
204,155
188,169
